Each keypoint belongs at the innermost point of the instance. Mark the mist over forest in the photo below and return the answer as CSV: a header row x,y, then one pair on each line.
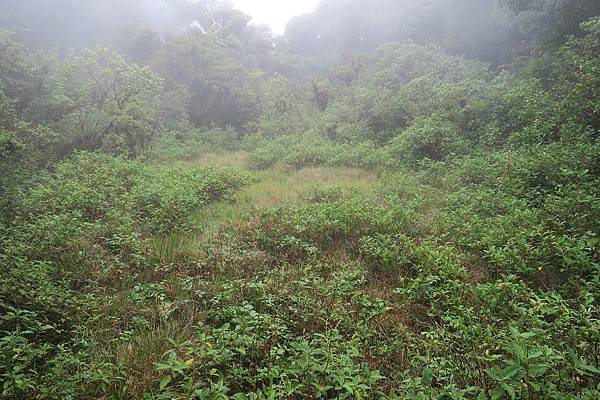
x,y
394,199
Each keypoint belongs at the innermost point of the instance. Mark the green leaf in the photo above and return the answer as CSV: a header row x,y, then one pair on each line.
x,y
427,376
511,371
538,370
165,381
518,351
498,392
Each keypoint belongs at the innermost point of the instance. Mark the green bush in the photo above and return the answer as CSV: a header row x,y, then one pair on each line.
x,y
92,192
311,150
191,144
434,138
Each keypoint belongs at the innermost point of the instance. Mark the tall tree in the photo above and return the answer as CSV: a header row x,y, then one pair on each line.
x,y
550,22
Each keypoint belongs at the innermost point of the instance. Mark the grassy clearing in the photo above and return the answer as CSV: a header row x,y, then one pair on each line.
x,y
235,159
279,186
284,187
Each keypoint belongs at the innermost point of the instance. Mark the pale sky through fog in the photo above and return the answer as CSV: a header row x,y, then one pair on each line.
x,y
275,13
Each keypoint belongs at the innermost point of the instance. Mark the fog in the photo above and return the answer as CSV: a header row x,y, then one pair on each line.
x,y
275,13
476,28
312,28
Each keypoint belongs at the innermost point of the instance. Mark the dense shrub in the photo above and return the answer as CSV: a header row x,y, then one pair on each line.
x,y
192,144
78,227
309,150
433,137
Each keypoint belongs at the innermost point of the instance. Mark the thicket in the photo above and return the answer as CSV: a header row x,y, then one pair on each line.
x,y
468,269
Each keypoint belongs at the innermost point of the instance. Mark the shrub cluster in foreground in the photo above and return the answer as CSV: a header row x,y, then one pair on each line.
x,y
443,284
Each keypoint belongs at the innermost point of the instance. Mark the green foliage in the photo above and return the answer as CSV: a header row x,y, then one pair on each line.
x,y
433,138
105,101
106,197
222,91
431,232
192,144
257,350
311,150
548,22
39,354
280,111
96,100
91,217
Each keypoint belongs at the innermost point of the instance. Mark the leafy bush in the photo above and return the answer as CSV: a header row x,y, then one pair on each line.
x,y
192,144
310,150
432,137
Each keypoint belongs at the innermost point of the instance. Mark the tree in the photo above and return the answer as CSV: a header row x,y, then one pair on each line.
x,y
550,22
100,101
220,86
281,109
95,99
470,28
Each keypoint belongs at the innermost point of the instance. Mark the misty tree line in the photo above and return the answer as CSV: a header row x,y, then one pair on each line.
x,y
164,74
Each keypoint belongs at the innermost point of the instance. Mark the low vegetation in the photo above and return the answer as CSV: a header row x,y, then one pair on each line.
x,y
416,222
